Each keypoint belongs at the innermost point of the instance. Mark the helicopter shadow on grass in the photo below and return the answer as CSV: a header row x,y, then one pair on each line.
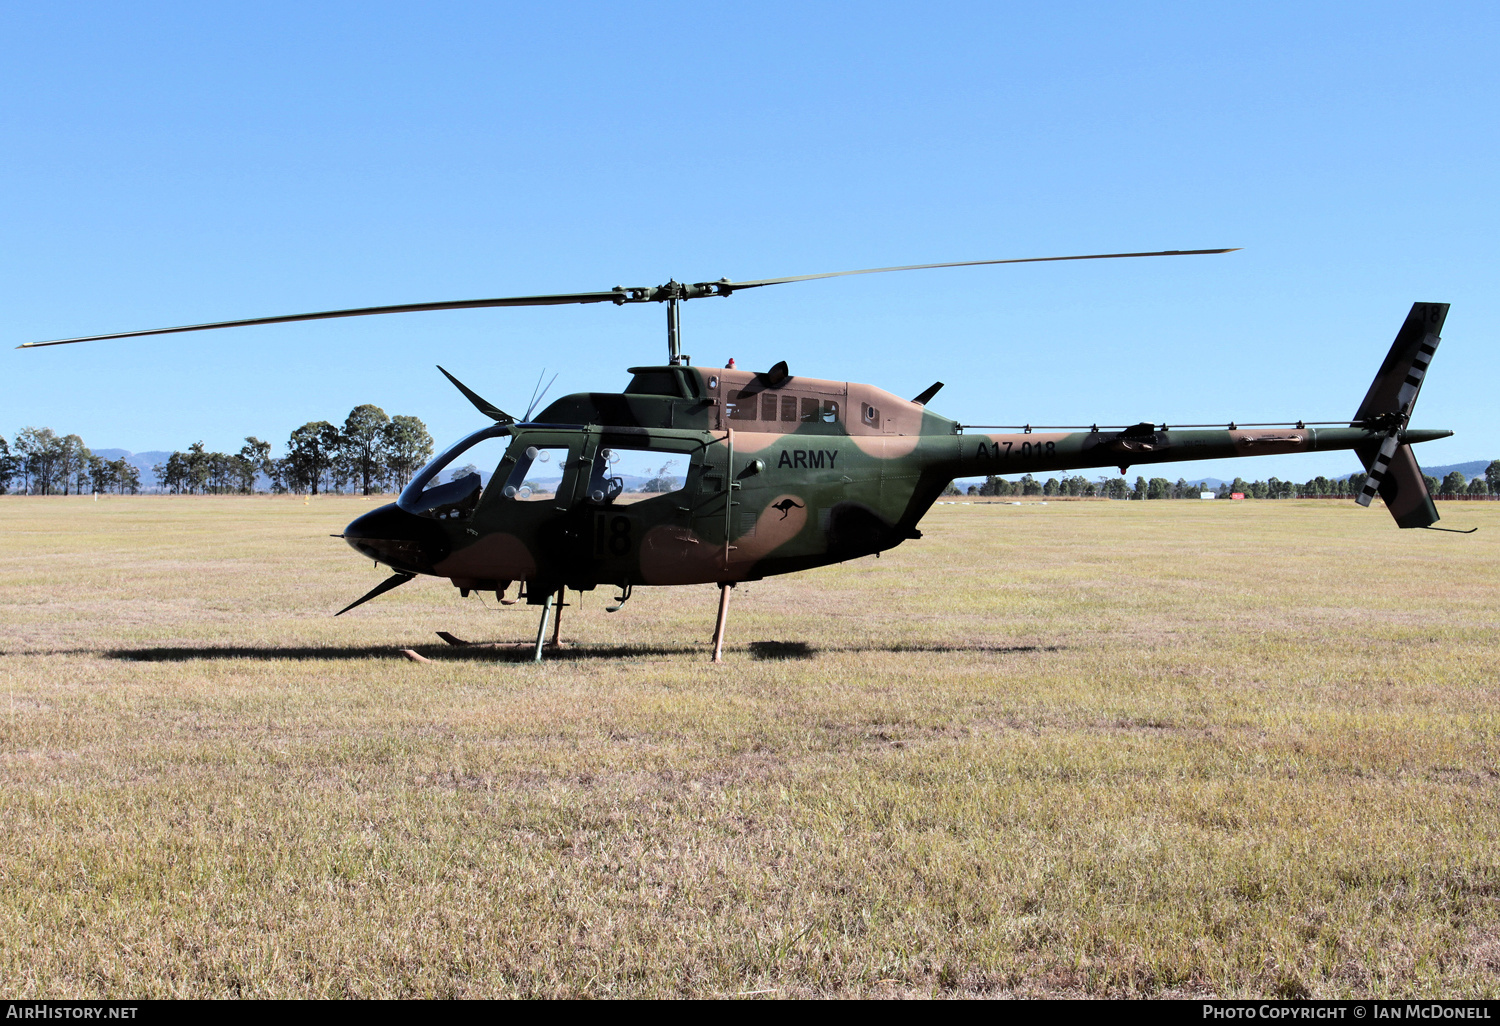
x,y
522,653
484,653
771,650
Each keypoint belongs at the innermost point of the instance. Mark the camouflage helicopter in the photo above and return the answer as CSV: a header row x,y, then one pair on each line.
x,y
783,473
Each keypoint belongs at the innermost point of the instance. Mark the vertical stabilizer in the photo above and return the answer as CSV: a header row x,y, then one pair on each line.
x,y
1392,467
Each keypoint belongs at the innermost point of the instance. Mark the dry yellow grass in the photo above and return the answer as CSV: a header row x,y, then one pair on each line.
x,y
1086,748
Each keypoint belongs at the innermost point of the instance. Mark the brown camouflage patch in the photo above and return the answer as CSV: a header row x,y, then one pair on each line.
x,y
499,556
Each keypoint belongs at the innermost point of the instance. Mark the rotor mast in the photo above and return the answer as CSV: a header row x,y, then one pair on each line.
x,y
674,332
672,294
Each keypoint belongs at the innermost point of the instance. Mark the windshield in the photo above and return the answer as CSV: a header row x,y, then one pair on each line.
x,y
425,494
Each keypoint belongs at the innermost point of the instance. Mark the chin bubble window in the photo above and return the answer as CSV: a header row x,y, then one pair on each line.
x,y
537,474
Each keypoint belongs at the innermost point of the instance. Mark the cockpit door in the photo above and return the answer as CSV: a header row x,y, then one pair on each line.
x,y
638,501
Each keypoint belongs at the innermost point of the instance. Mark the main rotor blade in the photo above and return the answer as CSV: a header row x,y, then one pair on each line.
x,y
735,286
671,292
363,311
481,404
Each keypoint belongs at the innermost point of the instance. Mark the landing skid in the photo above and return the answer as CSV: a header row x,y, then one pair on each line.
x,y
552,608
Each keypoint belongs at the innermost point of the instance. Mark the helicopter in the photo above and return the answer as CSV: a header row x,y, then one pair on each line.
x,y
783,473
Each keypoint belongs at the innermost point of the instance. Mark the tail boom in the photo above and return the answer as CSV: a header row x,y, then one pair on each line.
x,y
1043,452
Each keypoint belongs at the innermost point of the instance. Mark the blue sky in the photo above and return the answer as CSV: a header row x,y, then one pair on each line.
x,y
175,163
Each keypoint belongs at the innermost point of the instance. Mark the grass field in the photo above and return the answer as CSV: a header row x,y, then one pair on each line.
x,y
1102,748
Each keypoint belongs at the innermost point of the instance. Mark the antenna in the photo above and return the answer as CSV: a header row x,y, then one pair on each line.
x,y
535,399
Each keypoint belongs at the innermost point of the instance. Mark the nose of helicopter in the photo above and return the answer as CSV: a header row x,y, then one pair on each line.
x,y
401,540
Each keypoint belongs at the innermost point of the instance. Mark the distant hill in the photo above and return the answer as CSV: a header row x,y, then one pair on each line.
x,y
1204,483
145,461
141,461
1470,470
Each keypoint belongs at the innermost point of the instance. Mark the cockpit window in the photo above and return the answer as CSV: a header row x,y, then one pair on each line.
x,y
442,496
537,474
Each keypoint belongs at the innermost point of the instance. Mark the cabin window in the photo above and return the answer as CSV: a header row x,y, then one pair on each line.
x,y
788,409
537,474
740,409
642,473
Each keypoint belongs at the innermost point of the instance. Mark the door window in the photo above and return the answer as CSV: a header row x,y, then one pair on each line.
x,y
537,474
621,472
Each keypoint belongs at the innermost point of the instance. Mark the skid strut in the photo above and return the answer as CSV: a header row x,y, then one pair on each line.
x,y
541,629
724,590
553,601
562,593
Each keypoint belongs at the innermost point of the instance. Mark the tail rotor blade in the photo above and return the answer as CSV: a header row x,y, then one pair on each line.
x,y
1379,468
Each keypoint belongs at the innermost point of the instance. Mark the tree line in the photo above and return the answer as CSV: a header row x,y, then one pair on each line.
x,y
1454,484
42,462
370,453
